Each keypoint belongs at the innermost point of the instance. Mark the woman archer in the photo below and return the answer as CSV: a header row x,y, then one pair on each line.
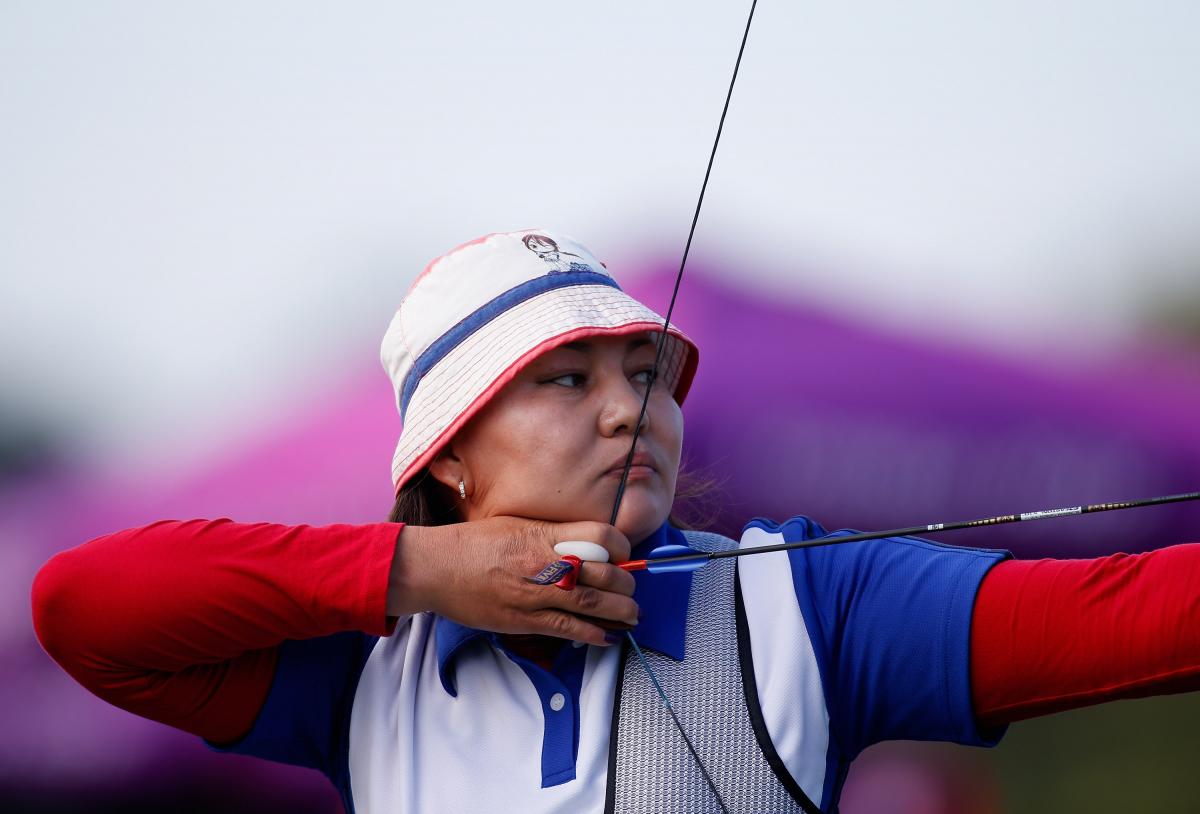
x,y
412,664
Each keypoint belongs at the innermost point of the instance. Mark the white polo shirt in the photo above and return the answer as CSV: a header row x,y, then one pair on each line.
x,y
852,644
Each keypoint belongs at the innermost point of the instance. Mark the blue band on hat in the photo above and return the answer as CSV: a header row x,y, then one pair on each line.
x,y
485,314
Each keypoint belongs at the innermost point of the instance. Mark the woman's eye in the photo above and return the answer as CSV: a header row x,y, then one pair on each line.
x,y
568,380
643,376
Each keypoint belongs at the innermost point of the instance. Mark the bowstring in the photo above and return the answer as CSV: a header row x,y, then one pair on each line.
x,y
662,341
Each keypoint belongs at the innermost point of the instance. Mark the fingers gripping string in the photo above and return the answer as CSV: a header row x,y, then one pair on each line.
x,y
662,341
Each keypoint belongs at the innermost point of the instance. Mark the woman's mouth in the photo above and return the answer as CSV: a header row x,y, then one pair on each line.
x,y
641,467
636,472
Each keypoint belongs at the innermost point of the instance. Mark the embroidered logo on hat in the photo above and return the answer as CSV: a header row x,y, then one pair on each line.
x,y
548,250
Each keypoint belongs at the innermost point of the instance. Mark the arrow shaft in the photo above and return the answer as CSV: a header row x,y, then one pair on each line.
x,y
676,563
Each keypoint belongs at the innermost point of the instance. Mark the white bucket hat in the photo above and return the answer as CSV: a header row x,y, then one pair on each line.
x,y
481,312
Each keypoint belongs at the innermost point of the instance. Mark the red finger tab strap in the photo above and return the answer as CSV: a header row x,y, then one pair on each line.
x,y
179,621
567,583
1051,635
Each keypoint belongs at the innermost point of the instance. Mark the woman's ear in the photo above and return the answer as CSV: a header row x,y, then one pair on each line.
x,y
447,468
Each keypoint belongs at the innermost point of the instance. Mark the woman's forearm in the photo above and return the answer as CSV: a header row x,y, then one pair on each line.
x,y
413,580
179,620
1051,635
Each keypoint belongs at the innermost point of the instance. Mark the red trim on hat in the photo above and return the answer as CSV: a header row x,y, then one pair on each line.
x,y
681,388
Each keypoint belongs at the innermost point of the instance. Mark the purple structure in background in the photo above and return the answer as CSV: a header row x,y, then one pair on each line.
x,y
795,410
868,429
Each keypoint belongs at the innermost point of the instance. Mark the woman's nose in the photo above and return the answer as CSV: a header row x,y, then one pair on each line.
x,y
622,406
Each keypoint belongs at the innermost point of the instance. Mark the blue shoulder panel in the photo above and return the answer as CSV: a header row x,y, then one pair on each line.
x,y
305,720
890,621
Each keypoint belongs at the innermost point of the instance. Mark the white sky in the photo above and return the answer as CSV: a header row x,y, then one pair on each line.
x,y
203,203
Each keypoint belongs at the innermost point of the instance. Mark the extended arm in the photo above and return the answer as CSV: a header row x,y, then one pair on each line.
x,y
180,621
1051,635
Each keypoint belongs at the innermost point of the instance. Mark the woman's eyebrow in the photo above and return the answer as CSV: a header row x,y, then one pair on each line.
x,y
586,347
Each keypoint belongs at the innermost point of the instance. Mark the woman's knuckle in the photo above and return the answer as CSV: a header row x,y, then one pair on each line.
x,y
587,598
525,536
597,574
561,624
617,544
600,578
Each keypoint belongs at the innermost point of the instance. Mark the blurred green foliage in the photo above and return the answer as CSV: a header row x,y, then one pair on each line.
x,y
1139,755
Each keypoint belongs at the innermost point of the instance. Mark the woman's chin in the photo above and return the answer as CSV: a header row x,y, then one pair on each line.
x,y
639,517
639,522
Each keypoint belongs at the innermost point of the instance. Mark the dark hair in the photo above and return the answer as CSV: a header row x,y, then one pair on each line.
x,y
424,501
698,499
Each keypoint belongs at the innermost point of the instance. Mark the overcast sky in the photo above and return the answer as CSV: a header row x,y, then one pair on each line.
x,y
203,203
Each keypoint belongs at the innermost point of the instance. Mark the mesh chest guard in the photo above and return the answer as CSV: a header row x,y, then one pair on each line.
x,y
650,768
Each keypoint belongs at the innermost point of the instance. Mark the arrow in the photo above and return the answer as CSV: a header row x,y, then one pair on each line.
x,y
676,558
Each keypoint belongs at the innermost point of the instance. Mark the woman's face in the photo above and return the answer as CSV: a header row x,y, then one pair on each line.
x,y
552,443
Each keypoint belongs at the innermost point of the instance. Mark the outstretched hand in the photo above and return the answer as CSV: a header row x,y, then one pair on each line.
x,y
473,573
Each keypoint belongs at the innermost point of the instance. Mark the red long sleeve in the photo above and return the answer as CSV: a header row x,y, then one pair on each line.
x,y
180,621
1051,635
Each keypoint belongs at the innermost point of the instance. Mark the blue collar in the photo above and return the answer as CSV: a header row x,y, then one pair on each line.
x,y
662,598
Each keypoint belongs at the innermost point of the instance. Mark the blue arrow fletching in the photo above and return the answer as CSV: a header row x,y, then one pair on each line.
x,y
696,560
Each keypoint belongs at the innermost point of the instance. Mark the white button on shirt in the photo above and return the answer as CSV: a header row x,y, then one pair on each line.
x,y
518,732
439,717
530,740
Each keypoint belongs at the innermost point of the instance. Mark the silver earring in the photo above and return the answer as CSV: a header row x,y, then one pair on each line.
x,y
462,490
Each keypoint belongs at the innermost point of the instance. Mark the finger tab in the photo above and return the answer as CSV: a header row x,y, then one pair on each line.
x,y
583,549
553,572
568,580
